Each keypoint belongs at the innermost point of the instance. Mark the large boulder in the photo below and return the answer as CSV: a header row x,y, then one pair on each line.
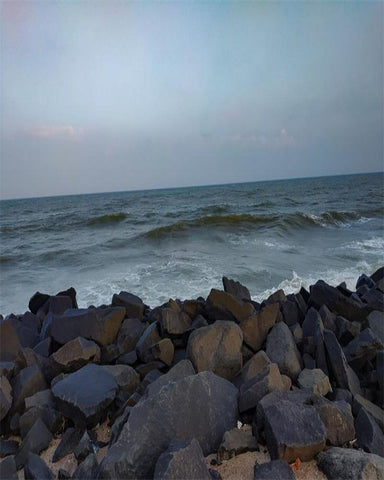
x,y
236,289
174,323
149,337
236,442
376,412
8,469
36,469
362,349
76,353
202,406
275,470
315,380
9,341
369,435
255,365
37,439
217,348
69,441
224,305
5,396
181,370
27,382
134,306
338,420
130,331
376,324
256,327
125,376
313,338
83,396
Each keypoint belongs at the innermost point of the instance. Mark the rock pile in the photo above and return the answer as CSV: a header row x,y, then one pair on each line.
x,y
305,370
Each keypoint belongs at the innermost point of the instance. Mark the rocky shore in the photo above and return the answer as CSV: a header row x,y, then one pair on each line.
x,y
292,386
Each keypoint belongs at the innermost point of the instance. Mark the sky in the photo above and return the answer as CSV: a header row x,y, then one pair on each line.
x,y
112,95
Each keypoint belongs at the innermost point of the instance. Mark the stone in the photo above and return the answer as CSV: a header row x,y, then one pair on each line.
x,y
145,368
173,322
58,304
149,337
7,369
5,396
8,469
71,293
256,327
69,440
84,396
328,318
194,308
235,442
36,469
182,461
76,353
129,358
221,303
338,420
162,351
202,406
275,470
346,331
99,324
290,312
313,338
40,399
236,289
51,418
374,299
376,323
118,425
369,436
378,275
297,333
309,361
177,372
9,342
281,349
126,377
276,297
217,348
348,464
130,331
37,301
87,468
83,448
8,447
365,280
134,306
37,439
380,375
63,474
314,380
28,381
255,365
376,412
362,349
293,431
44,347
287,383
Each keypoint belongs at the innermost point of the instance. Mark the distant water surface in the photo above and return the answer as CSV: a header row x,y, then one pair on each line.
x,y
180,242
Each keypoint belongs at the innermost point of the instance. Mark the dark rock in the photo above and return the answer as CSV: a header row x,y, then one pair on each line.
x,y
87,468
130,331
14,423
281,349
118,425
173,322
8,469
211,403
7,369
149,337
314,380
69,440
275,470
83,448
5,396
162,351
8,447
29,381
217,348
145,368
276,297
134,306
313,338
182,461
365,280
197,323
338,420
347,464
98,324
375,299
180,370
223,305
128,358
362,349
51,418
234,443
328,318
36,469
236,289
83,396
256,327
291,312
376,412
193,308
37,301
346,330
341,394
255,365
44,347
58,304
76,353
40,399
126,377
37,439
370,438
109,353
378,275
9,342
297,333
380,375
309,361
71,293
376,324
63,474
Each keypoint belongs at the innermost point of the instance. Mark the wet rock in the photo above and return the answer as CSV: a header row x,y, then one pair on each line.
x,y
9,342
275,470
162,351
338,420
314,380
376,412
281,349
126,377
8,469
8,447
83,396
234,443
376,324
5,396
148,338
256,327
217,348
69,440
223,305
173,322
370,438
29,381
37,439
36,469
87,468
236,289
211,403
134,306
177,372
76,353
83,448
348,464
255,365
129,334
362,349
182,460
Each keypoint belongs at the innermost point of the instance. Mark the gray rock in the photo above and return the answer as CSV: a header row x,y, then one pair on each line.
x,y
83,448
43,398
180,370
69,440
328,318
125,376
346,331
162,351
174,323
134,306
376,324
51,418
5,396
362,349
338,420
315,380
29,381
130,331
234,443
37,439
8,447
36,469
87,468
223,305
291,312
369,435
76,353
380,375
275,470
255,365
256,327
281,349
236,289
375,299
118,425
376,412
8,469
147,339
313,338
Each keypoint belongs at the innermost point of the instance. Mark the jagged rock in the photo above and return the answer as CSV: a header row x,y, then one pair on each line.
x,y
44,347
201,406
69,440
83,396
276,297
255,365
134,306
217,348
376,323
313,338
29,381
98,324
341,394
162,351
338,420
5,396
291,312
37,439
8,447
287,383
71,293
362,349
177,372
182,460
236,289
226,306
374,299
193,308
63,474
40,399
309,361
7,369
297,333
109,353
256,327
58,304
130,331
314,380
9,341
126,377
37,301
281,349
369,435
380,375
174,322
8,469
234,443
51,418
76,353
145,368
344,376
346,331
87,468
83,448
36,469
275,470
149,337
328,318
365,280
118,425
376,412
347,464
128,358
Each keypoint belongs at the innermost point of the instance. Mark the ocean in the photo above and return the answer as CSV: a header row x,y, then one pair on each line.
x,y
179,242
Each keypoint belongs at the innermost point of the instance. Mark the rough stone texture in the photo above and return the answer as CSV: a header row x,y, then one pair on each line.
x,y
346,331
235,442
9,341
130,331
293,431
29,381
51,417
98,324
8,469
338,420
182,461
37,301
380,375
362,349
8,447
374,298
236,289
76,353
297,333
347,464
328,318
83,448
84,395
255,365
36,469
256,327
134,306
87,469
369,435
162,351
173,322
313,338
149,337
276,297
5,396
180,370
219,301
36,440
202,406
281,349
291,312
376,324
43,348
69,440
125,376
376,412
315,380
217,348
275,470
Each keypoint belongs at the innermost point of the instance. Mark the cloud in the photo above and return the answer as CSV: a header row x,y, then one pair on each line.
x,y
56,131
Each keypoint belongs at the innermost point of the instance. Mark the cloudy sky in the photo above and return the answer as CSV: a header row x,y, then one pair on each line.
x,y
119,95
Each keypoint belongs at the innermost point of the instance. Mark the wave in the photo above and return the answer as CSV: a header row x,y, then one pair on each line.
x,y
107,219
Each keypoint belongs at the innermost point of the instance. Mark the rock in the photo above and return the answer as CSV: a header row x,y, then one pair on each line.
x,y
145,368
134,306
76,353
347,464
83,396
287,383
9,342
126,377
380,375
255,328
293,431
217,348
162,351
40,399
374,299
87,469
378,275
8,447
376,412
7,369
128,358
182,461
343,374
328,318
130,331
37,439
44,347
51,418
297,333
71,293
276,297
58,304
98,324
369,436
202,406
376,323
69,440
252,368
291,312
313,338
37,301
177,372
314,380
275,470
173,322
148,338
281,349
194,308
365,280
8,469
36,469
118,425
234,443
63,474
83,448
338,420
362,349
324,294
309,361
236,289
223,305
5,396
346,331
29,381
